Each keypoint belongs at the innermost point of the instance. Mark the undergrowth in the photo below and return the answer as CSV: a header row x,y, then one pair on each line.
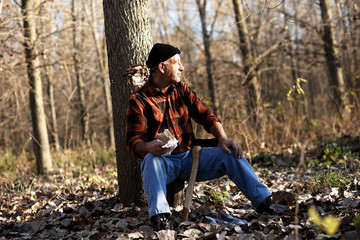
x,y
320,182
18,172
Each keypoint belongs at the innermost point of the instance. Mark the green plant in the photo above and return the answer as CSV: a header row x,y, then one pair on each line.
x,y
357,221
216,196
313,162
331,153
320,181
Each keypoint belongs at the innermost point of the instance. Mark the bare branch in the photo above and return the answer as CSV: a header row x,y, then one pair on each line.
x,y
258,60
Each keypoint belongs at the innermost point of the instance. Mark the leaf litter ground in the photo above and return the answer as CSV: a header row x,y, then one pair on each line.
x,y
89,209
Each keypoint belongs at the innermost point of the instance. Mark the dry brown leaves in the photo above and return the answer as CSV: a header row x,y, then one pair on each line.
x,y
89,211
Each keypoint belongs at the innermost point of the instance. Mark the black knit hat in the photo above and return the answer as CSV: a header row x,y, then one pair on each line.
x,y
160,53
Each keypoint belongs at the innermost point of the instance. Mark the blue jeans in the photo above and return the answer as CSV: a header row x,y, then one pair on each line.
x,y
157,171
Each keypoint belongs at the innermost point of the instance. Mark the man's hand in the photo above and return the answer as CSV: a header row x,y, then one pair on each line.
x,y
225,144
218,131
156,147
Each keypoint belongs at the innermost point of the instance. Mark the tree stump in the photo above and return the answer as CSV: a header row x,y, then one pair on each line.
x,y
175,193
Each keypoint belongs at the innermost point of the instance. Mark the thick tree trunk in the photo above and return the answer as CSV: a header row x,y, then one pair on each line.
x,y
129,40
84,116
248,59
209,61
40,137
337,85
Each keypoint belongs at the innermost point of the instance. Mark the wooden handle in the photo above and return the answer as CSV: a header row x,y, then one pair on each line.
x,y
190,188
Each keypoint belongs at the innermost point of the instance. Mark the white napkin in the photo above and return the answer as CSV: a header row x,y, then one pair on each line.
x,y
169,139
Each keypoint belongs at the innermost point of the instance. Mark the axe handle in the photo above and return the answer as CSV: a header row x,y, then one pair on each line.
x,y
190,188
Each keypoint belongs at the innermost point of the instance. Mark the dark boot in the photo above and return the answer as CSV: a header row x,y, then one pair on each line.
x,y
160,222
264,206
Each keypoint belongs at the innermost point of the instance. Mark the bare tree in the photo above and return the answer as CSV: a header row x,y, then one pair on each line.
x,y
48,60
101,59
306,47
84,115
248,61
201,4
1,4
337,84
40,135
128,39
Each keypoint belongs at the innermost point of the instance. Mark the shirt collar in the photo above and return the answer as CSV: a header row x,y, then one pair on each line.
x,y
155,91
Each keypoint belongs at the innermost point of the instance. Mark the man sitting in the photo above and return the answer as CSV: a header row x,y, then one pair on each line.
x,y
165,102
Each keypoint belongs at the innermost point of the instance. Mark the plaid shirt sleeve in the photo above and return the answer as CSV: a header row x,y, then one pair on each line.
x,y
197,109
135,124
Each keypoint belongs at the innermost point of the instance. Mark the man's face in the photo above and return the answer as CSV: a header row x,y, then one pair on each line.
x,y
173,68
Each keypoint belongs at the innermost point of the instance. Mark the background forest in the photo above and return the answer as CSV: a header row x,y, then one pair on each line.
x,y
283,76
291,75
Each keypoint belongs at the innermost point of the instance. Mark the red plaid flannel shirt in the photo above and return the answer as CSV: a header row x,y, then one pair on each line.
x,y
151,111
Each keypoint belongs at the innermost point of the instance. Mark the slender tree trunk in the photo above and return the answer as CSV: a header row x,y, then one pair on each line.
x,y
48,58
293,52
248,59
102,64
337,85
353,43
50,91
1,4
40,135
162,11
209,61
84,116
128,40
107,94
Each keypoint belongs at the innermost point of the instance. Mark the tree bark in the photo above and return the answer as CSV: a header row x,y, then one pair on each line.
x,y
209,61
248,59
129,40
337,85
40,135
84,116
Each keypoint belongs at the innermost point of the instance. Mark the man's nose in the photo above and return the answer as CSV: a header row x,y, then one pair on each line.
x,y
181,68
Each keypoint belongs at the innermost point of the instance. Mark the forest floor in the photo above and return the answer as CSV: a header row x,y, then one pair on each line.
x,y
320,200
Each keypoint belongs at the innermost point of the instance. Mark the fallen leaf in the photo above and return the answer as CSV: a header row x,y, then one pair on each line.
x,y
166,234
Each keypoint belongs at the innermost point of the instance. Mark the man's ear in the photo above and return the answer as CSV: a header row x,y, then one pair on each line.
x,y
161,67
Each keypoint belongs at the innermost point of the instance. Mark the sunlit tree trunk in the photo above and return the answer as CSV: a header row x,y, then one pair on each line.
x,y
40,135
48,58
102,65
337,85
107,95
1,4
84,116
248,59
201,4
163,19
50,91
128,40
